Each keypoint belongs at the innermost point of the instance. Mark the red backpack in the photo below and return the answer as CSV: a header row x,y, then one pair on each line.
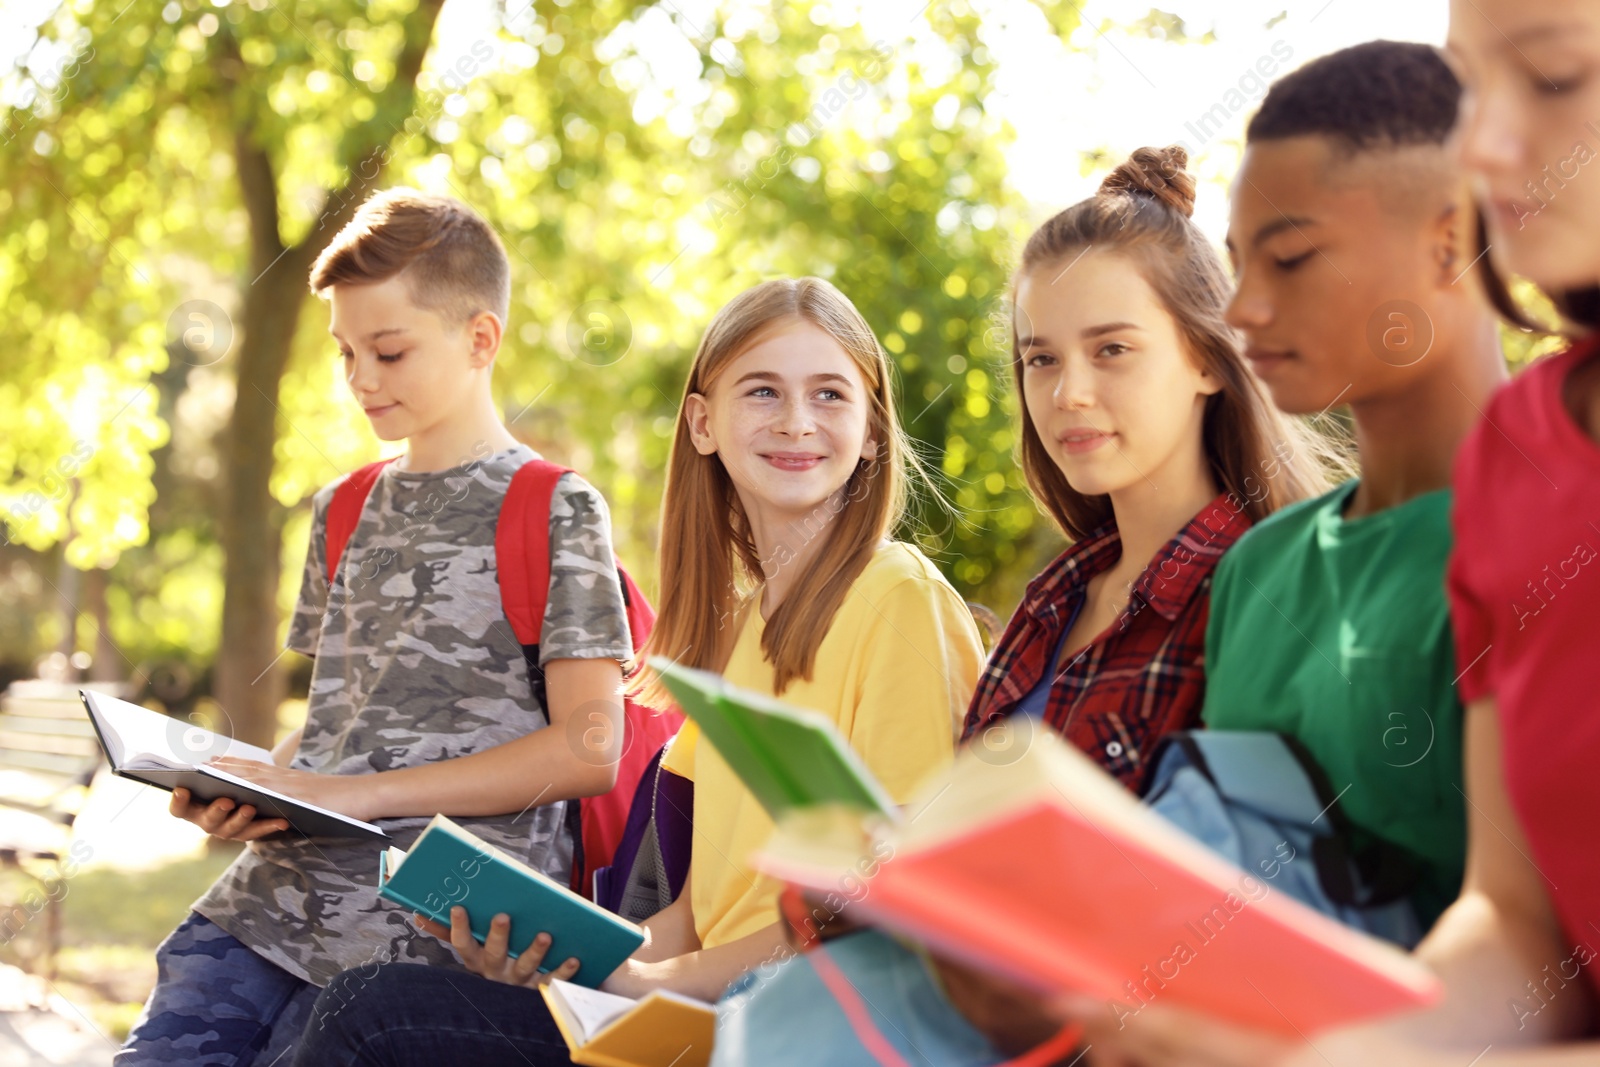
x,y
522,562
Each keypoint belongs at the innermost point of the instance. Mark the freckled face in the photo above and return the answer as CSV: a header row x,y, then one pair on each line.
x,y
788,417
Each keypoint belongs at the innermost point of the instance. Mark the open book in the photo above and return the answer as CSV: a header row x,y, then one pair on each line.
x,y
159,750
662,1029
1042,868
787,757
449,865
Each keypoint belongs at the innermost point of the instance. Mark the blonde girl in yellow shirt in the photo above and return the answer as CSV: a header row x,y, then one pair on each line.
x,y
788,475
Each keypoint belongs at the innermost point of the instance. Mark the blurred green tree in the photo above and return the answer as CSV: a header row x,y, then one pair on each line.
x,y
172,167
170,144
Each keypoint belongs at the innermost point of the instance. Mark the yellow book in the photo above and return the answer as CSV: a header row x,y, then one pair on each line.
x,y
663,1029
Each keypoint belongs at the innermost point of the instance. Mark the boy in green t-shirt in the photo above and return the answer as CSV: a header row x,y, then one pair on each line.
x,y
1354,240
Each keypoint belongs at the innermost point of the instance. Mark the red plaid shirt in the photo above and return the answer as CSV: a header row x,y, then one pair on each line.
x,y
1144,675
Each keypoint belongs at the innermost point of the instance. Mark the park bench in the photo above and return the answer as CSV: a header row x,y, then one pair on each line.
x,y
48,756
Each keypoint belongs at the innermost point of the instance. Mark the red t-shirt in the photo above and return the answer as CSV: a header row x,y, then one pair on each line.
x,y
1524,584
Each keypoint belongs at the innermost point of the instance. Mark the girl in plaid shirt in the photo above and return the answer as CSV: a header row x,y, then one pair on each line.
x,y
1152,446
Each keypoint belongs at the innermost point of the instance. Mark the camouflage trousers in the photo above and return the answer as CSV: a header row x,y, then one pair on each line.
x,y
217,1004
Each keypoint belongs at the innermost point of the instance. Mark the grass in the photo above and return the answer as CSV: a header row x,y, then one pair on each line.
x,y
112,922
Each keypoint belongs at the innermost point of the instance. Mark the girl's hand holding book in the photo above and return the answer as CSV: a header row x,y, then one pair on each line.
x,y
1161,1035
491,959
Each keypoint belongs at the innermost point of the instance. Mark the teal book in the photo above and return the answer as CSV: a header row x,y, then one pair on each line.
x,y
449,865
788,757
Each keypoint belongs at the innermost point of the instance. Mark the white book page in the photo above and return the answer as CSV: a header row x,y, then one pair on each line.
x,y
235,748
679,998
588,1010
142,737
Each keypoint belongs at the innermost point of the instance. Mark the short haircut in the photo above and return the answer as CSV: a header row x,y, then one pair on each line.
x,y
1381,94
452,260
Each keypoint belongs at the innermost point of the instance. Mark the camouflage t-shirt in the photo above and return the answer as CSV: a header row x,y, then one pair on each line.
x,y
415,662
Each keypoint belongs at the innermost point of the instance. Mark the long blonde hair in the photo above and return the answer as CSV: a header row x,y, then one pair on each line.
x,y
709,566
1262,458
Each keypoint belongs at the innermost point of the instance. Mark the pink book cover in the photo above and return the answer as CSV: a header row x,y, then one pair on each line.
x,y
1118,904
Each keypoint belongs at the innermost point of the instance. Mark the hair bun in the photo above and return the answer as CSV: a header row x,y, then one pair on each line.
x,y
1157,173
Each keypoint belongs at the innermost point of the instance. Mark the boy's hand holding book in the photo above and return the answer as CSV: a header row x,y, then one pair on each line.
x,y
348,794
232,821
223,818
1014,1017
228,788
1162,1035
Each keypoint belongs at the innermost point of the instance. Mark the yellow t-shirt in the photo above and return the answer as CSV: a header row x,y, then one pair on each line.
x,y
895,673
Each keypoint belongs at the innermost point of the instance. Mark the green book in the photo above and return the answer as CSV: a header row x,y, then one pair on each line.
x,y
789,757
449,865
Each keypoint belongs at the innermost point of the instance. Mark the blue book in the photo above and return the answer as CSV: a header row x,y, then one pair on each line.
x,y
448,865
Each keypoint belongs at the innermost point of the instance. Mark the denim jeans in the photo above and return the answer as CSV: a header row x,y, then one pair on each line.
x,y
216,1004
402,1014
406,1013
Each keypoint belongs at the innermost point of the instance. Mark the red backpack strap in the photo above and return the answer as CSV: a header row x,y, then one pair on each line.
x,y
885,1054
344,510
522,547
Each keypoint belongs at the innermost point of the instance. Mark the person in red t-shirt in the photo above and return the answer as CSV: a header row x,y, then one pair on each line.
x,y
1519,950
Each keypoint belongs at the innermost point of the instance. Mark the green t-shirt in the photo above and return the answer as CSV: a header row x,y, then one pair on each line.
x,y
1337,632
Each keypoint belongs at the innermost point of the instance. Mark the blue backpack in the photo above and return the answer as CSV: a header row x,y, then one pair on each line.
x,y
1261,801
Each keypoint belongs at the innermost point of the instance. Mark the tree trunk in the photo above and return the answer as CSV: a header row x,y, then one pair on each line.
x,y
248,682
107,664
66,585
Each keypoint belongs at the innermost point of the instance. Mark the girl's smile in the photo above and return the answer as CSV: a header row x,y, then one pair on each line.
x,y
788,418
792,461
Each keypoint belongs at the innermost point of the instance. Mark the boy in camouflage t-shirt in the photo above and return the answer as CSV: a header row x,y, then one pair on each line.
x,y
421,700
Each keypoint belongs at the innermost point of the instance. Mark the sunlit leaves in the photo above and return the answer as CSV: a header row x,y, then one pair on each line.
x,y
647,160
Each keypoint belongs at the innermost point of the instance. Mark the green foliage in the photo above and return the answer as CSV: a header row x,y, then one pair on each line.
x,y
1522,348
641,167
1165,26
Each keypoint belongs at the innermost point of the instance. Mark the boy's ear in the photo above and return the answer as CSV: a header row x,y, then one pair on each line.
x,y
1452,232
484,331
697,414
